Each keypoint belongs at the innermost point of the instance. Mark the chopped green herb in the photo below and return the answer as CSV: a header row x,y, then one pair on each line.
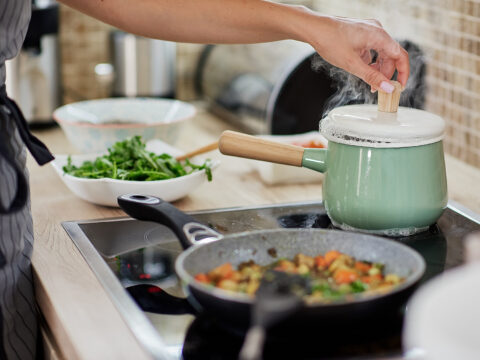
x,y
358,286
129,160
321,287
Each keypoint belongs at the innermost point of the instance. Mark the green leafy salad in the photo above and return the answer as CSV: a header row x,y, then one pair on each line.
x,y
129,160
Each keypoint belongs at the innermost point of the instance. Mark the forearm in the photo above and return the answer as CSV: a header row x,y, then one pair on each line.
x,y
346,43
200,21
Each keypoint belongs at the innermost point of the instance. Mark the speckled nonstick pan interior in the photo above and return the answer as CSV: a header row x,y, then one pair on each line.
x,y
264,247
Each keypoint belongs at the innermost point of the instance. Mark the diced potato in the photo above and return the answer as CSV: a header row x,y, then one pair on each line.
x,y
392,278
228,284
252,287
250,271
303,269
374,271
302,259
343,261
242,287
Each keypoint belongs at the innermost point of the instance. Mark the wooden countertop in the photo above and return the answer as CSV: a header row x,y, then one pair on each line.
x,y
80,315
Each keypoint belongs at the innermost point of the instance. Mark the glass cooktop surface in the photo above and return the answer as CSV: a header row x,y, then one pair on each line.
x,y
134,261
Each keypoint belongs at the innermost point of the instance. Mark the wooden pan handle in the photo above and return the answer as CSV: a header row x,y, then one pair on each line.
x,y
389,102
252,147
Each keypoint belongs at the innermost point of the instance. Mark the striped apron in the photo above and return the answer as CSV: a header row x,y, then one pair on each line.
x,y
18,325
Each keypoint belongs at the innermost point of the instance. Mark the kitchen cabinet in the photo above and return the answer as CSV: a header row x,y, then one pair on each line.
x,y
80,316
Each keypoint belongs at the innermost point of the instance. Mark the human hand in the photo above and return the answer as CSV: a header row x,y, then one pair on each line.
x,y
347,43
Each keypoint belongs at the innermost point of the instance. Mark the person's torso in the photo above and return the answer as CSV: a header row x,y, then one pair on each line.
x,y
14,19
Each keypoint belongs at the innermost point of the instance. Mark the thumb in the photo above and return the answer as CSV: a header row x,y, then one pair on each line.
x,y
371,76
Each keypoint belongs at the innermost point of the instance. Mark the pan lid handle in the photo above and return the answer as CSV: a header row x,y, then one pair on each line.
x,y
150,208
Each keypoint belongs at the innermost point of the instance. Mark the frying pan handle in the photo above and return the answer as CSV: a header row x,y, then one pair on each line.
x,y
150,208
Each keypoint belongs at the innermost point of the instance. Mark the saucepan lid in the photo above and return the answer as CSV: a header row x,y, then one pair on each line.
x,y
385,126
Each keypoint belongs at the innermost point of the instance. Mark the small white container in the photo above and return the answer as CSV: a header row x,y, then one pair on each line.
x,y
273,174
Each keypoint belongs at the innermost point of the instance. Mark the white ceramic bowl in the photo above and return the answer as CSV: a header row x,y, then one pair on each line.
x,y
94,125
443,317
106,191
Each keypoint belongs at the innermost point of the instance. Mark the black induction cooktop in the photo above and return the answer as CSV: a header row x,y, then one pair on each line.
x,y
134,261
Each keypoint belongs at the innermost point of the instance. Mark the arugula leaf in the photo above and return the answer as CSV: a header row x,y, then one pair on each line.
x,y
129,160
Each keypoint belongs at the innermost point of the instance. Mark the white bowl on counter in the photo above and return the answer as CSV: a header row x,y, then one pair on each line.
x,y
106,191
273,174
443,317
94,125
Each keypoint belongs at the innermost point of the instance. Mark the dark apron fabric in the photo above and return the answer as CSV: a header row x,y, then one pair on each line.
x,y
18,315
18,330
38,150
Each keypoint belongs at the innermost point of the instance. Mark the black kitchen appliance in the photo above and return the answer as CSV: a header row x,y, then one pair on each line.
x,y
126,253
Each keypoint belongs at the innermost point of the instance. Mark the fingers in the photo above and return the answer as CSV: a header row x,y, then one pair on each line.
x,y
386,66
402,65
393,51
366,56
371,75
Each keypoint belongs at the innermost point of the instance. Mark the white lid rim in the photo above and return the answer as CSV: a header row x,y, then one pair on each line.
x,y
384,145
364,125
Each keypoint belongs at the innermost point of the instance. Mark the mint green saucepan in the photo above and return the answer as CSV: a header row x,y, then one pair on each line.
x,y
384,171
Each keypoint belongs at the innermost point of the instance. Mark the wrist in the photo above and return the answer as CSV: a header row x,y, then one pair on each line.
x,y
302,24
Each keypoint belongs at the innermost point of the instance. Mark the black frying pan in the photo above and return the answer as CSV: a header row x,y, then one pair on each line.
x,y
206,249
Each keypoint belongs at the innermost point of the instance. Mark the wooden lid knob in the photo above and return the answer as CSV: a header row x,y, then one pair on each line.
x,y
389,102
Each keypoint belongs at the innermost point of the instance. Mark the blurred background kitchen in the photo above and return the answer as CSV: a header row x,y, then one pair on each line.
x,y
446,31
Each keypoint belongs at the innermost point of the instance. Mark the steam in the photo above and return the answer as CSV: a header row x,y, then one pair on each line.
x,y
352,90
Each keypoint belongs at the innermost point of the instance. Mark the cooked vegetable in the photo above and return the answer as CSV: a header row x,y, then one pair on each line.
x,y
309,144
129,160
333,276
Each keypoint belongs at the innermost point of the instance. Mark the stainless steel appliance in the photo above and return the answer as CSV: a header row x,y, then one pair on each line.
x,y
142,66
33,77
123,252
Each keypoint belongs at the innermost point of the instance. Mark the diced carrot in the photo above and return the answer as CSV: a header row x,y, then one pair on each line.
x,y
361,266
371,278
343,276
221,272
320,262
330,256
201,277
